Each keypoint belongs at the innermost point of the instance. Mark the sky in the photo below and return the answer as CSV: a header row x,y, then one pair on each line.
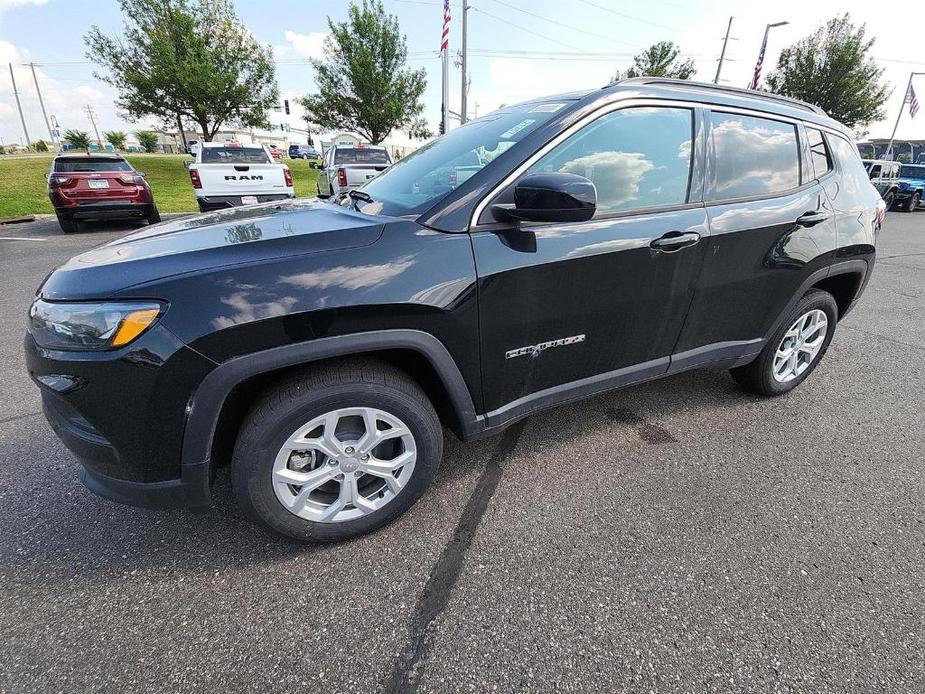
x,y
518,49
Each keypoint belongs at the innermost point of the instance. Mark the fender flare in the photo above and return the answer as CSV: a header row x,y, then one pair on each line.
x,y
206,404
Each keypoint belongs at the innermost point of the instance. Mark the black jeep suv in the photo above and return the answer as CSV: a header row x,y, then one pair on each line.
x,y
543,253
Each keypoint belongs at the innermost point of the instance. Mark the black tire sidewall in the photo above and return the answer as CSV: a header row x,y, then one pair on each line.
x,y
253,459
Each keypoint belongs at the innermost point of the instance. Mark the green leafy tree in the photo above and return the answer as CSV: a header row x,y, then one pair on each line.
x,y
148,140
832,68
41,146
363,84
78,139
660,60
116,138
187,61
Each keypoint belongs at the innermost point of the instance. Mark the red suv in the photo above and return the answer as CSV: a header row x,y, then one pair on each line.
x,y
98,186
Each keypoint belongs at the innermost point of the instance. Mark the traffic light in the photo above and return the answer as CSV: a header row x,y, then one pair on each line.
x,y
440,129
286,106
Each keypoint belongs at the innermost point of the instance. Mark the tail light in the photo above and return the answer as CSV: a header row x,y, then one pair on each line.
x,y
881,212
342,178
194,177
61,181
132,180
287,174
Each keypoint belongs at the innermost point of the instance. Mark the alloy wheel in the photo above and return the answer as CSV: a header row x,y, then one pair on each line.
x,y
800,346
344,464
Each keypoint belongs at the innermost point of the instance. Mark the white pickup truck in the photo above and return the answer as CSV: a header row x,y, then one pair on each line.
x,y
230,174
345,167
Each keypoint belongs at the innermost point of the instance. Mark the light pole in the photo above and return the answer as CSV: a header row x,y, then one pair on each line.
x,y
764,45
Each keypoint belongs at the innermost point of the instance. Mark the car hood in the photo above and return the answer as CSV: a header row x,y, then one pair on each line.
x,y
208,241
912,182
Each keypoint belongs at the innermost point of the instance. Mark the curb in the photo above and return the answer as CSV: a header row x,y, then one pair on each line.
x,y
18,220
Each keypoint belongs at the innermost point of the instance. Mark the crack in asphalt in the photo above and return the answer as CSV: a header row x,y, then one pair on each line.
x,y
19,416
409,667
646,430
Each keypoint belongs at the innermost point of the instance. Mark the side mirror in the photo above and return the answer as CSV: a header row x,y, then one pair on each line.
x,y
142,174
549,197
187,163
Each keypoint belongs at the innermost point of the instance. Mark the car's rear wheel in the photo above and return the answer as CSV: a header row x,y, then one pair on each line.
x,y
889,199
153,216
912,202
794,351
336,452
68,226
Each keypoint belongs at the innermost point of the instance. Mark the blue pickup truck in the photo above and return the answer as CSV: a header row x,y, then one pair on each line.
x,y
911,188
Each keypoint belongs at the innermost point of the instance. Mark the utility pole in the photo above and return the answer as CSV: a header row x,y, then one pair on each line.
x,y
19,106
465,83
89,110
889,147
51,134
722,55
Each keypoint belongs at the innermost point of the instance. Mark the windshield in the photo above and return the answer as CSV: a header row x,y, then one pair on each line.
x,y
91,164
360,156
912,171
234,155
417,181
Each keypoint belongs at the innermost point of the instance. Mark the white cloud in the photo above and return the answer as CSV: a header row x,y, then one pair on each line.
x,y
307,45
8,4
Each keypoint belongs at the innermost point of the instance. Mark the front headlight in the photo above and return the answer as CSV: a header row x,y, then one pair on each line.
x,y
90,326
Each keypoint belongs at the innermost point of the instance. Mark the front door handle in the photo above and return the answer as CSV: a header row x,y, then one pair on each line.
x,y
811,219
675,241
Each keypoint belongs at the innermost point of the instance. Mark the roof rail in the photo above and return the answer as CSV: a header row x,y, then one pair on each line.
x,y
730,90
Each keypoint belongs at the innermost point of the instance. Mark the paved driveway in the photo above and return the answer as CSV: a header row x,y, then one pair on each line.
x,y
673,537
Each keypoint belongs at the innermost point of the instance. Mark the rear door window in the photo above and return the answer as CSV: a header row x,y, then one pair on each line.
x,y
235,155
753,156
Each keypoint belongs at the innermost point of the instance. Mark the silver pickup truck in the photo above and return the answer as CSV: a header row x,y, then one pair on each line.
x,y
347,167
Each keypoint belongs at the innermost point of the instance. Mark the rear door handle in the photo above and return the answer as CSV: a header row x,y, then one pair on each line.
x,y
675,241
811,219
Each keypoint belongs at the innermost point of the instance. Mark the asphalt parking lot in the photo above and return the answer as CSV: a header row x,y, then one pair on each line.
x,y
674,537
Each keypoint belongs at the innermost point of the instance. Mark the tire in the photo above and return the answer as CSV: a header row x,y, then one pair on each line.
x,y
759,375
912,202
153,216
369,386
68,226
889,199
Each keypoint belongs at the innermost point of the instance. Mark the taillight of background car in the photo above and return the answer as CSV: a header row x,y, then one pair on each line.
x,y
287,174
194,177
342,177
61,181
881,212
132,179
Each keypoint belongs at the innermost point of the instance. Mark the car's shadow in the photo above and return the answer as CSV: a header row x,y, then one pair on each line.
x,y
58,531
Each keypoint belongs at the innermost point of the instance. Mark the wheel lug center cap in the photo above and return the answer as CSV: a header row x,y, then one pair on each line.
x,y
350,465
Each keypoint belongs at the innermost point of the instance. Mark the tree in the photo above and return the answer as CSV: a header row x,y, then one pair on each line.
x,y
78,139
187,60
832,68
660,60
41,146
148,140
363,84
116,138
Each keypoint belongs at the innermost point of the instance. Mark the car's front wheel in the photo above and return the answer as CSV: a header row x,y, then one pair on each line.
x,y
336,452
795,350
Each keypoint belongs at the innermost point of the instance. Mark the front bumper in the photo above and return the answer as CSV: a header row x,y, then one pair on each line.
x,y
211,203
122,414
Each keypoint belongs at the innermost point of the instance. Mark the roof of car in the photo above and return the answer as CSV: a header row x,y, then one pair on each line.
x,y
705,92
84,155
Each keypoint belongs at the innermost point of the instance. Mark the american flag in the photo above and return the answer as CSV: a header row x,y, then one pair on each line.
x,y
445,37
757,75
912,101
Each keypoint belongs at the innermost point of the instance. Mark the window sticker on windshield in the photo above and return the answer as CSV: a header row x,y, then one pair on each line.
x,y
517,128
546,108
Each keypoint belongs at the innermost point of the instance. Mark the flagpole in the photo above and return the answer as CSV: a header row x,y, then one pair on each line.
x,y
902,107
445,113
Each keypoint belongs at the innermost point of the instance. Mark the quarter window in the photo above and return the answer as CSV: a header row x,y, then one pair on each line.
x,y
853,174
637,158
819,152
753,156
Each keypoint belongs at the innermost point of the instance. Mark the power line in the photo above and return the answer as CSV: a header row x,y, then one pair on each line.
x,y
561,24
628,16
529,31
